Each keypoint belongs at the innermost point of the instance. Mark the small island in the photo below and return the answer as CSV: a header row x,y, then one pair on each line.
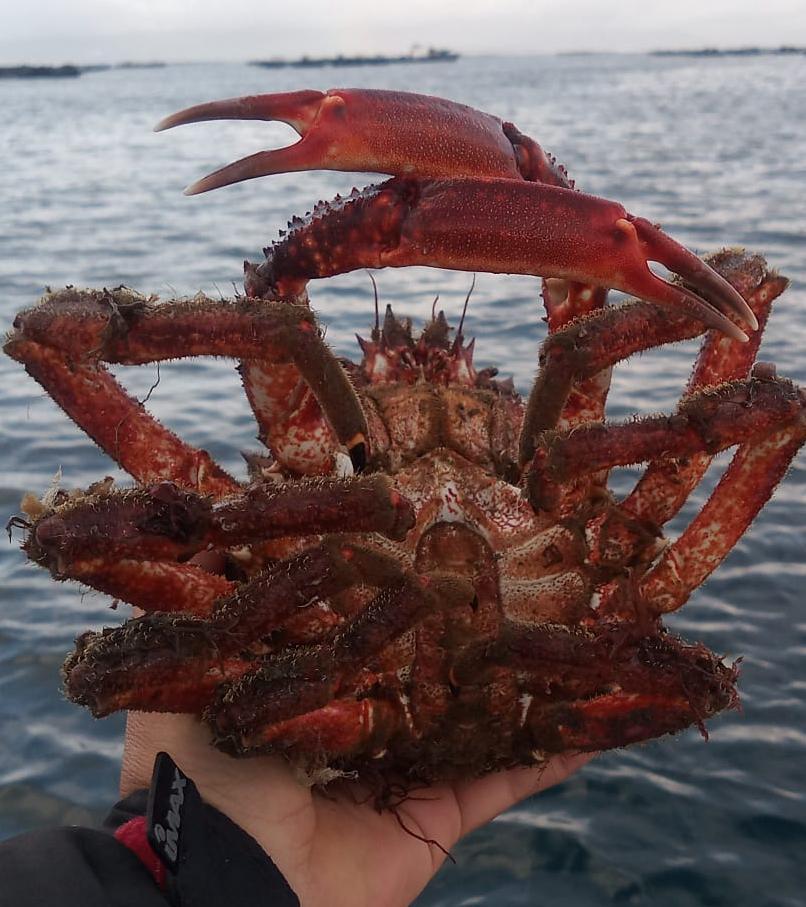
x,y
69,71
432,55
39,72
731,52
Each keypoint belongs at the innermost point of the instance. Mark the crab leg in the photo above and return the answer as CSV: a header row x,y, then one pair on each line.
x,y
290,419
586,348
591,345
609,693
685,684
289,687
155,663
666,484
63,340
748,483
458,224
152,662
709,421
119,424
341,727
104,540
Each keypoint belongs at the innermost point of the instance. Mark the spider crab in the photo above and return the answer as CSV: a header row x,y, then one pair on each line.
x,y
427,578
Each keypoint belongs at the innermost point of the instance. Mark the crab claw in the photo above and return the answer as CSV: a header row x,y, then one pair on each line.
x,y
711,286
399,133
500,226
571,235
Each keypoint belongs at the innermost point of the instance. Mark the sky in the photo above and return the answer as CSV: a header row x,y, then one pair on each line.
x,y
88,31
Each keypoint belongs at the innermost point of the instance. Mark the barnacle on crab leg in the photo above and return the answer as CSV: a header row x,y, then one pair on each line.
x,y
64,340
501,226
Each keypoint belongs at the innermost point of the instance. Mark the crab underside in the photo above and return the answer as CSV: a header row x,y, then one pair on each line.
x,y
425,577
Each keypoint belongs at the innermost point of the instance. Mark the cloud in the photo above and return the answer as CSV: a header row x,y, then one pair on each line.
x,y
101,30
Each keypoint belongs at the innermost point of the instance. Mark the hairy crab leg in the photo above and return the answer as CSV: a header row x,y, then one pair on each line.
x,y
77,331
117,422
748,483
150,584
593,344
709,421
146,663
586,350
155,663
664,487
684,684
101,539
457,223
588,347
614,690
666,484
133,666
291,686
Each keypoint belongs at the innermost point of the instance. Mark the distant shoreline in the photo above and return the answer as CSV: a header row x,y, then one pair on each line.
x,y
433,55
31,71
68,71
39,72
784,50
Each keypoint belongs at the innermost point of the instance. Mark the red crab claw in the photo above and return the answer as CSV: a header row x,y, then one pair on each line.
x,y
500,226
392,132
408,134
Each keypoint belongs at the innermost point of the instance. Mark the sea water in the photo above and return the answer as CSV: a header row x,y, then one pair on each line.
x,y
713,149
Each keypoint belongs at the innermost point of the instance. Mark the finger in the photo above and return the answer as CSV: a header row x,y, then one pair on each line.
x,y
483,799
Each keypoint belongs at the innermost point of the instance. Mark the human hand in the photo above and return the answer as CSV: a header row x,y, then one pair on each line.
x,y
334,849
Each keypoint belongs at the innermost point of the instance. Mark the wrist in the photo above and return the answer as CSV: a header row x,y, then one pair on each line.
x,y
195,853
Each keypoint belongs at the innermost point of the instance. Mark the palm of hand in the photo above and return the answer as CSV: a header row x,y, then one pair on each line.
x,y
335,850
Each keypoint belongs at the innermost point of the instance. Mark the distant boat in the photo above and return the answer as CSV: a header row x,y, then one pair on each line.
x,y
39,72
432,55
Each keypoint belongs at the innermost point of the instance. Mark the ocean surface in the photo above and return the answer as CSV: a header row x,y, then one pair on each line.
x,y
714,149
